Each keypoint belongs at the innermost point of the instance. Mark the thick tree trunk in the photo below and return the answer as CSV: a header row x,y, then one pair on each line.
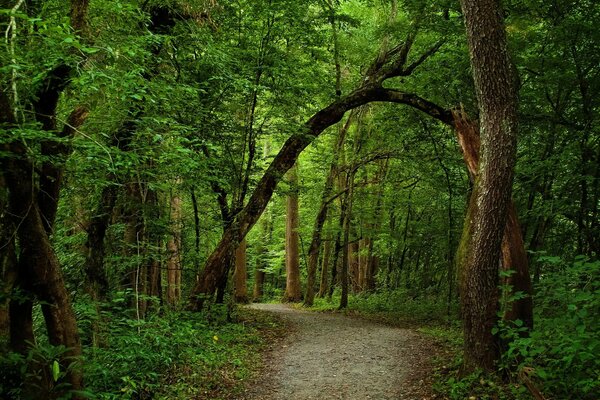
x,y
490,201
39,266
293,289
240,290
8,259
514,256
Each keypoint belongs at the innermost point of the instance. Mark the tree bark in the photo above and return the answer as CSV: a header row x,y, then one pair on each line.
x,y
346,218
324,285
8,259
259,275
240,290
496,93
174,256
95,274
293,289
514,256
39,266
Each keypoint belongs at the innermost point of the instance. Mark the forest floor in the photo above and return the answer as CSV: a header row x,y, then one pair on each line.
x,y
334,356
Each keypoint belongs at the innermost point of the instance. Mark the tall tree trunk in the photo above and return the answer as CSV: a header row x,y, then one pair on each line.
x,y
324,285
174,256
293,290
347,218
133,240
259,279
335,265
354,265
8,259
96,280
196,231
39,268
496,92
240,290
514,256
266,228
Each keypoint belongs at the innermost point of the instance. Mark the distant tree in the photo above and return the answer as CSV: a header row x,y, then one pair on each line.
x,y
293,288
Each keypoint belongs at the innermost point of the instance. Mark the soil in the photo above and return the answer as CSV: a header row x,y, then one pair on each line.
x,y
334,356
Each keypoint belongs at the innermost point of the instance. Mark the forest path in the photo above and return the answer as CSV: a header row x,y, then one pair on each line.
x,y
334,356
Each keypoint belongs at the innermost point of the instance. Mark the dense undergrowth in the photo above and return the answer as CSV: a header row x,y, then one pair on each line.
x,y
167,355
559,358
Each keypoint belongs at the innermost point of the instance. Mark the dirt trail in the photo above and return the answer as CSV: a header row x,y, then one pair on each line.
x,y
333,356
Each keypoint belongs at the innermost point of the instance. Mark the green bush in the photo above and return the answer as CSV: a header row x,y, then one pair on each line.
x,y
563,348
400,305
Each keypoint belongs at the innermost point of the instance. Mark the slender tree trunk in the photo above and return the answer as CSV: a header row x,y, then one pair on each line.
x,y
259,280
240,292
488,209
266,228
324,285
335,265
293,290
95,274
347,217
174,256
354,265
133,238
196,230
373,260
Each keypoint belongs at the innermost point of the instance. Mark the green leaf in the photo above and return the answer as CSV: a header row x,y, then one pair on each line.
x,y
55,370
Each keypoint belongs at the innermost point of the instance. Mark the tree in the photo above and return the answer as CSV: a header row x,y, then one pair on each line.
x,y
495,85
33,192
293,289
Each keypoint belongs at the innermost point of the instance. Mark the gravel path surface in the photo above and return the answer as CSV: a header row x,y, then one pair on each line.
x,y
333,356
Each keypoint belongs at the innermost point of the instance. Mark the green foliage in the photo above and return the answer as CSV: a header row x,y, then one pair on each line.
x,y
37,374
480,386
563,347
173,355
400,306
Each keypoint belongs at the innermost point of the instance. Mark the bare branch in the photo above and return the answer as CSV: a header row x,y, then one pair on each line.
x,y
423,57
